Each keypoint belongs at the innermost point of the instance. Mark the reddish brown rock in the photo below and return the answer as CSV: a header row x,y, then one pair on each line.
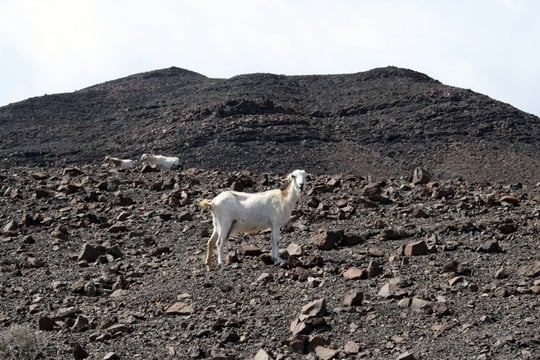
x,y
180,308
355,273
416,248
353,298
326,239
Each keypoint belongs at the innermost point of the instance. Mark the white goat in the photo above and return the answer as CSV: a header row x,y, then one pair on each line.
x,y
166,162
120,163
238,212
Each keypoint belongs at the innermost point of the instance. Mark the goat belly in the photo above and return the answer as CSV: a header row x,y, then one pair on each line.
x,y
251,226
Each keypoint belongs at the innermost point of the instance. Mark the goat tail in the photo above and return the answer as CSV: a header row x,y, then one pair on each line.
x,y
205,204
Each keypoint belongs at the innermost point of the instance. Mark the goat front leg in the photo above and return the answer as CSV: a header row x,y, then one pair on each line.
x,y
275,246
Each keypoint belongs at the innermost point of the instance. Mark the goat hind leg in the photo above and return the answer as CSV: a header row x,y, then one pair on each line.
x,y
210,245
225,231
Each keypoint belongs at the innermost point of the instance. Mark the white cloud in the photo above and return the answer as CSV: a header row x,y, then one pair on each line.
x,y
64,45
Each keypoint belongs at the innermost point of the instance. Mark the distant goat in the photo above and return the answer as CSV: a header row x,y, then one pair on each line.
x,y
166,162
238,212
120,163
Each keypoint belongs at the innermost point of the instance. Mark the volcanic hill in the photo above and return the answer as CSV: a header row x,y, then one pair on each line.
x,y
382,122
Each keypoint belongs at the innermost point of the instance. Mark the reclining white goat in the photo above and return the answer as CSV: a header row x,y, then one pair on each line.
x,y
165,162
120,163
238,212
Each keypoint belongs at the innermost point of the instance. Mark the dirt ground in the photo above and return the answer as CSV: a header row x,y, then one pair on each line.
x,y
106,261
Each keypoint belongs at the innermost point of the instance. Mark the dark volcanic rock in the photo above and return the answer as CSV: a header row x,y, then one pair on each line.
x,y
383,122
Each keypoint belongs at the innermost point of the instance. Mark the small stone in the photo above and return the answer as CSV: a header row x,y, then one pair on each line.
x,y
421,304
507,228
416,248
180,308
81,324
531,270
79,352
490,246
229,336
118,293
355,273
512,200
441,309
313,309
118,329
393,289
316,340
10,229
353,298
111,356
325,239
375,252
404,303
456,280
60,232
298,344
501,291
232,257
314,282
312,261
417,212
91,253
351,347
406,356
265,278
301,274
295,250
299,327
325,353
350,239
45,323
262,355
487,319
117,228
374,269
501,273
450,267
393,234
29,239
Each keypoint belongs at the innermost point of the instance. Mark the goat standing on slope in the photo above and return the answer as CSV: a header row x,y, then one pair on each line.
x,y
238,212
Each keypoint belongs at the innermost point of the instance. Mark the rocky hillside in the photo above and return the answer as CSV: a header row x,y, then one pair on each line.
x,y
383,122
381,262
104,264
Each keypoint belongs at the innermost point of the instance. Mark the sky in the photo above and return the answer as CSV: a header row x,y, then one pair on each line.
x,y
53,46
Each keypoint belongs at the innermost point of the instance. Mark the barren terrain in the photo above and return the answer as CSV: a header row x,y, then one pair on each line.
x,y
416,239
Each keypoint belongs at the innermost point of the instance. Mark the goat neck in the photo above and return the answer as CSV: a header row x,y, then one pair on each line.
x,y
291,193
